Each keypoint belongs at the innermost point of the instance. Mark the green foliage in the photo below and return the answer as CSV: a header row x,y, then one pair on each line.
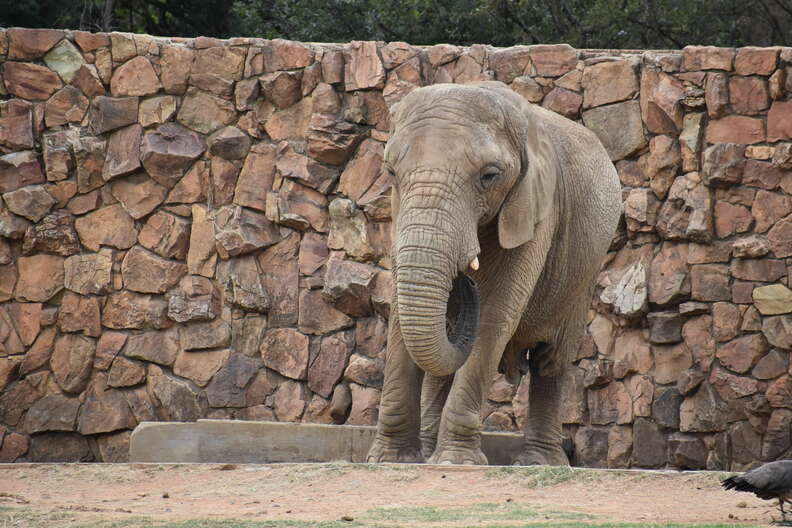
x,y
619,24
582,23
414,21
186,18
40,13
182,18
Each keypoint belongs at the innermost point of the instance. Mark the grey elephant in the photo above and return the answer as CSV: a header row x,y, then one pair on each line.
x,y
503,212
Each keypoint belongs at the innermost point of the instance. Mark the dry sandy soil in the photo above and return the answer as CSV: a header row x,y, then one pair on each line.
x,y
363,495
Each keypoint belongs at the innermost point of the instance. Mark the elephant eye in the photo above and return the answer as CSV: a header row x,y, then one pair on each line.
x,y
489,176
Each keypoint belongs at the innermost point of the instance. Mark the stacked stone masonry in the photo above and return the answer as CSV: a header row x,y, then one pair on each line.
x,y
197,228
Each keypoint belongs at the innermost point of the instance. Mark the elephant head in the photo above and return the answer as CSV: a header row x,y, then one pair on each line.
x,y
462,157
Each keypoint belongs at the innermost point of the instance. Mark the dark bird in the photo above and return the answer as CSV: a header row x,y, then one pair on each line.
x,y
769,481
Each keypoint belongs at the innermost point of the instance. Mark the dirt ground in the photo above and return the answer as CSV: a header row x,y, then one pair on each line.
x,y
309,493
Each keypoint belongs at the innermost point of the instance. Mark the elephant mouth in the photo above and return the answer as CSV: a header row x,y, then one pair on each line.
x,y
463,313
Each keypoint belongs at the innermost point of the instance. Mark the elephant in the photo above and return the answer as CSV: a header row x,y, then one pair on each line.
x,y
502,215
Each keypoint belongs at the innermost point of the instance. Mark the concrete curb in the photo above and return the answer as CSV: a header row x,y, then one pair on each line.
x,y
241,442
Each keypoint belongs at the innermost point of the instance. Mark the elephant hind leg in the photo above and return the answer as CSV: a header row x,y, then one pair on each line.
x,y
543,427
548,363
399,413
434,393
514,362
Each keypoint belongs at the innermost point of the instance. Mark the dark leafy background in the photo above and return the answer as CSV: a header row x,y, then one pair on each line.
x,y
622,24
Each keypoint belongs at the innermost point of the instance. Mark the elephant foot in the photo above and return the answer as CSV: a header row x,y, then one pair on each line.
x,y
458,455
535,456
427,450
383,451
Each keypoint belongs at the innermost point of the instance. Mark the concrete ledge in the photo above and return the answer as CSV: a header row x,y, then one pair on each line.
x,y
235,441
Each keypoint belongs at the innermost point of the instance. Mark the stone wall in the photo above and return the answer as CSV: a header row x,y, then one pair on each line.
x,y
199,228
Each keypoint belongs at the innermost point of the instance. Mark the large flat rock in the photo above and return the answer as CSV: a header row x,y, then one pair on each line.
x,y
235,441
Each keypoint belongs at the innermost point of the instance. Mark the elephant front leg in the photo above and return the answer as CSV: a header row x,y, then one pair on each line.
x,y
434,393
506,287
399,410
543,427
459,438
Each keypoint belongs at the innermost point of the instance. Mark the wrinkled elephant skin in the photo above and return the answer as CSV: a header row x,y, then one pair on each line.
x,y
522,201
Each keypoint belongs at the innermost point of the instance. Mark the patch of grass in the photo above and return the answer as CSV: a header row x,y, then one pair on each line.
x,y
540,476
488,514
313,472
482,512
26,518
546,524
393,472
229,523
516,515
375,467
610,525
710,478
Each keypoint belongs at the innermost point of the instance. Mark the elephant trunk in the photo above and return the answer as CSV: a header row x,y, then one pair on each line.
x,y
425,278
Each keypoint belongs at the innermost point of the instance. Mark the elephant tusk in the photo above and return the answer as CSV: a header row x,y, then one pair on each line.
x,y
474,265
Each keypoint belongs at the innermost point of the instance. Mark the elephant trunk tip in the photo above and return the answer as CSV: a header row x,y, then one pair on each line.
x,y
466,295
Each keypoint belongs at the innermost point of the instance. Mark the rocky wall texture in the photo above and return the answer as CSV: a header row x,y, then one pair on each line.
x,y
200,228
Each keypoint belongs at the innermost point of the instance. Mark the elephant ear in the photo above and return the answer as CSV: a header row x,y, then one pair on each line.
x,y
533,196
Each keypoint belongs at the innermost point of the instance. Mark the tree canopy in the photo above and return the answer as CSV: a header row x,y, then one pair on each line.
x,y
618,24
